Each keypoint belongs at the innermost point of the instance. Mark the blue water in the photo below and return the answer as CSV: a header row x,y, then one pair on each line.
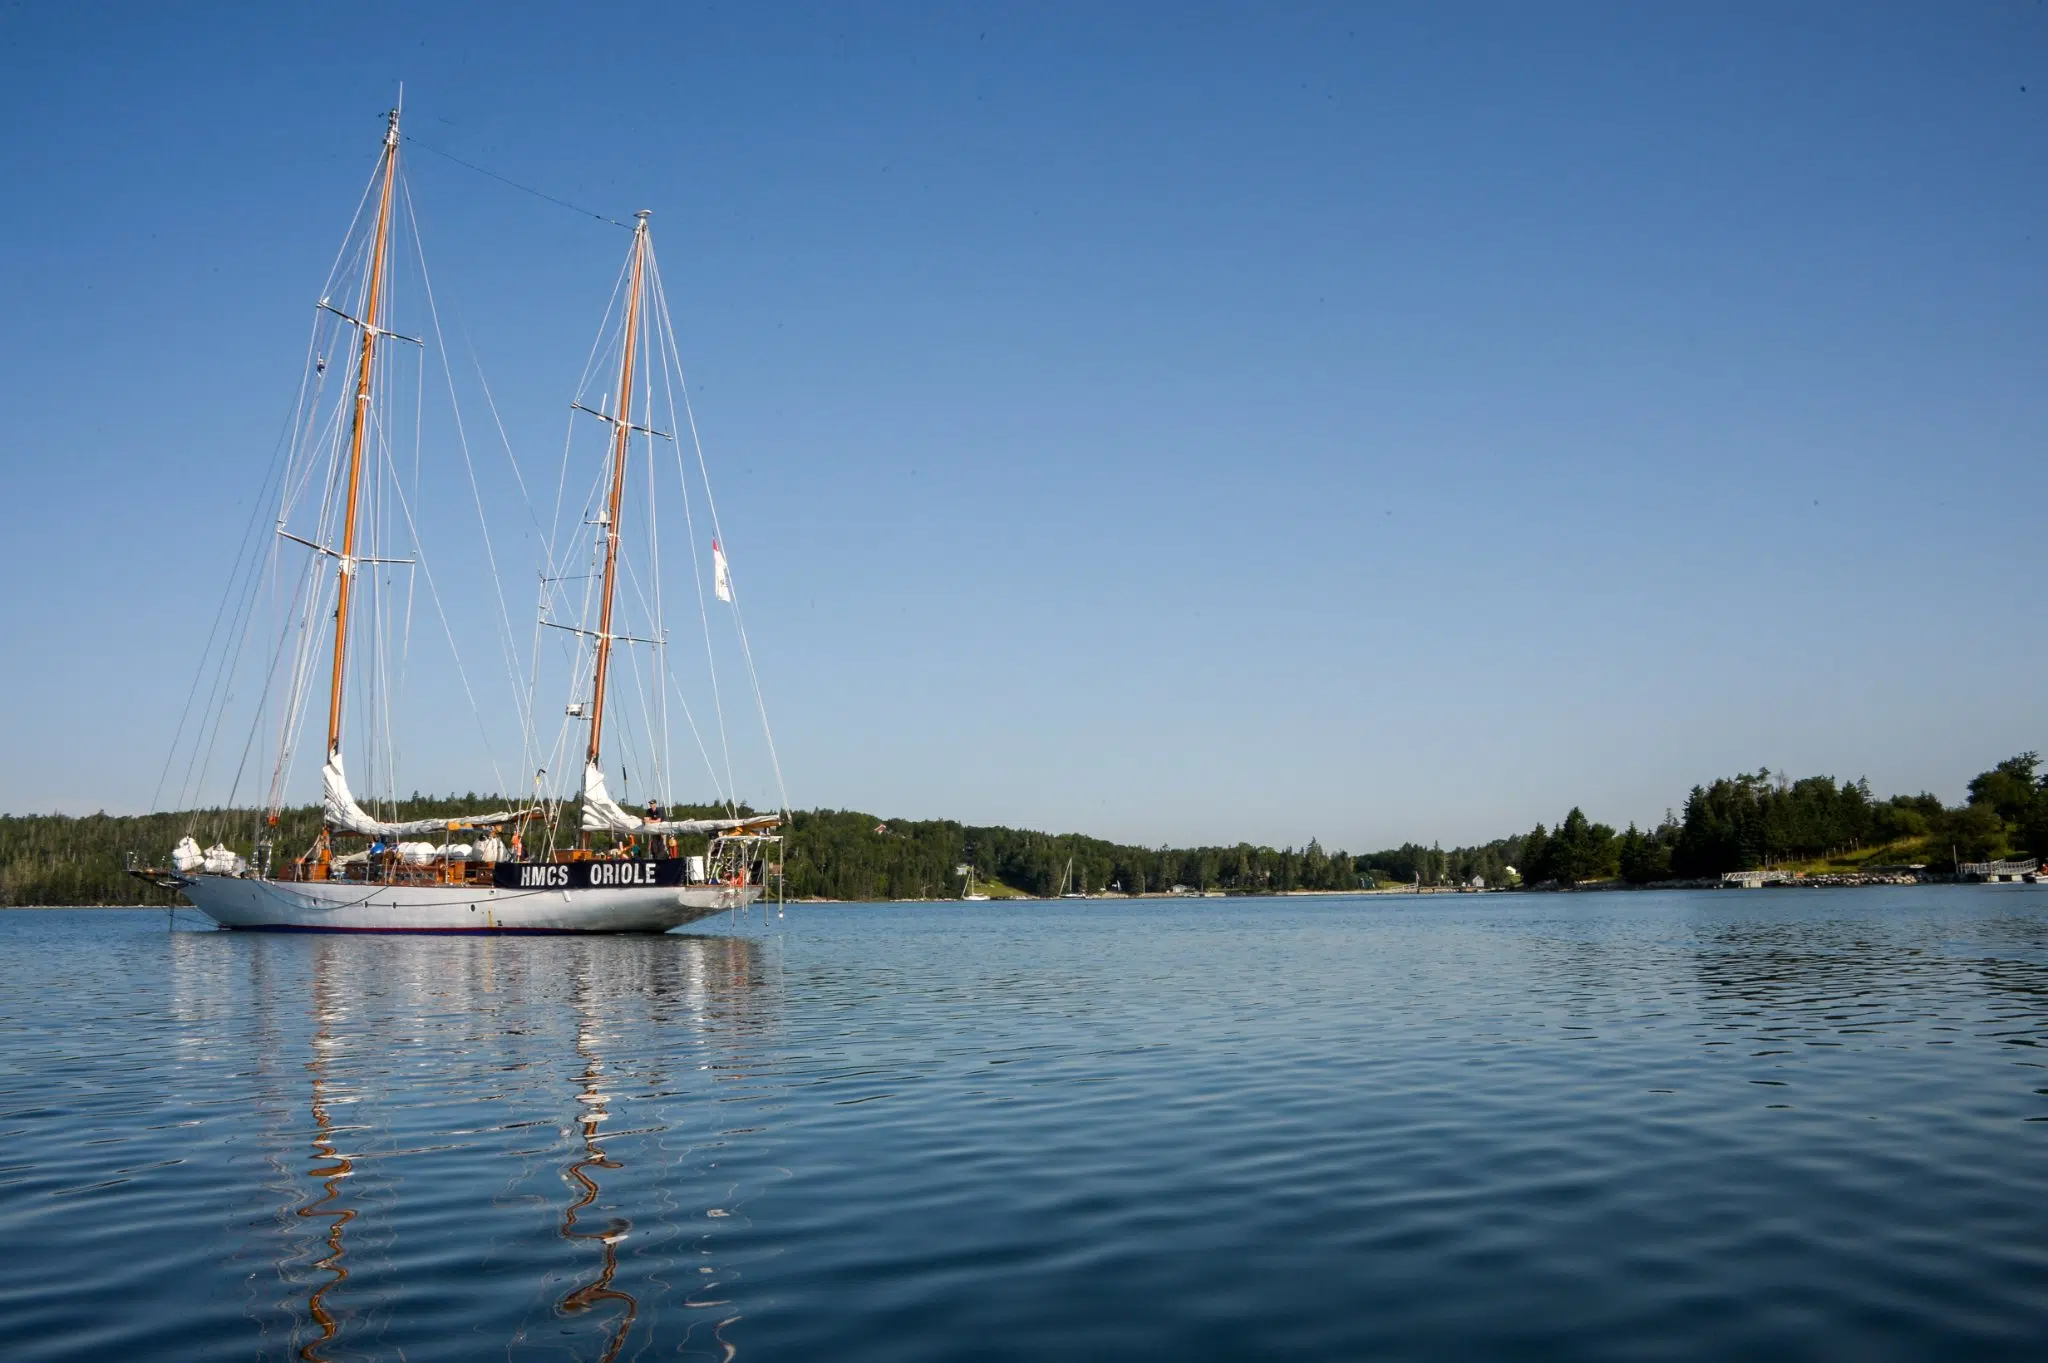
x,y
1783,1125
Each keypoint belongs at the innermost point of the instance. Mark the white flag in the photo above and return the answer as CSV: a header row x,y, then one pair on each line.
x,y
721,576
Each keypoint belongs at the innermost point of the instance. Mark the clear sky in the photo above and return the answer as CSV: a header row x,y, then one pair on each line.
x,y
1177,423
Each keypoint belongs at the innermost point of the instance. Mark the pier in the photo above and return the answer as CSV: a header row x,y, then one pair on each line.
x,y
1993,872
1753,880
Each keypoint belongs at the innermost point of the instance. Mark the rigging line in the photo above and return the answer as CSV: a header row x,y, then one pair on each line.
x,y
377,691
308,600
664,779
663,672
739,622
728,792
269,680
259,720
250,589
629,737
491,401
412,581
362,207
312,436
679,384
760,699
293,612
243,571
581,661
219,696
220,690
556,529
637,667
559,539
639,592
525,189
676,686
590,361
367,648
511,654
249,615
440,609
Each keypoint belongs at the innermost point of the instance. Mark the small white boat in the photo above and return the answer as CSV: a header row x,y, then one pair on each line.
x,y
512,870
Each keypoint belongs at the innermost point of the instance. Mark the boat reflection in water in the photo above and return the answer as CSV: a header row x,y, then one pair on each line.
x,y
510,1138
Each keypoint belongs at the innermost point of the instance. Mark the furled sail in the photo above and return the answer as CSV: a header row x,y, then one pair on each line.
x,y
344,815
602,814
721,573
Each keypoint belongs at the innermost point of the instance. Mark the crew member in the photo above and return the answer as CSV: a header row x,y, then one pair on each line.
x,y
655,842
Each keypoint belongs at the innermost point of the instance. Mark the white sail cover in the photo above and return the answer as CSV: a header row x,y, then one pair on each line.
x,y
220,860
344,815
186,856
602,814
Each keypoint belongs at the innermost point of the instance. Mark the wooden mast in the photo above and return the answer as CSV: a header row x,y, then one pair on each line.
x,y
345,568
622,432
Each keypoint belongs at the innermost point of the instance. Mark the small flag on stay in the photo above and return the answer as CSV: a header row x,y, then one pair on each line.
x,y
721,576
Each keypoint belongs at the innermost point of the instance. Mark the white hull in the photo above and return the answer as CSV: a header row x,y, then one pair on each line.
x,y
323,906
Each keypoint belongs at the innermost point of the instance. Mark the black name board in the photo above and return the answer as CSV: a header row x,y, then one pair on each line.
x,y
588,875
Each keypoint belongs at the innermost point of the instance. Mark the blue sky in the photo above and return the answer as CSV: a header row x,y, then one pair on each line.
x,y
1179,423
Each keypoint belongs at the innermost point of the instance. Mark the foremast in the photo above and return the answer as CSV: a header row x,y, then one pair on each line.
x,y
359,422
622,433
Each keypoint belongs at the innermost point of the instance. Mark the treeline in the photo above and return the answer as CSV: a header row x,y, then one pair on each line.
x,y
830,854
1736,823
1760,819
841,854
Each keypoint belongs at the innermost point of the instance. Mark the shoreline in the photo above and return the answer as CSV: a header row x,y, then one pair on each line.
x,y
1846,881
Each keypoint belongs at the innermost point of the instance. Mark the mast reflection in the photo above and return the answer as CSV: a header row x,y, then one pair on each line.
x,y
581,1173
430,1065
331,1169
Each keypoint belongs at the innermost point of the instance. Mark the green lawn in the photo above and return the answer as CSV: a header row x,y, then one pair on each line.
x,y
1904,852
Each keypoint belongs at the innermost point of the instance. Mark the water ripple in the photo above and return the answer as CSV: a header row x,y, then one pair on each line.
x,y
1642,1126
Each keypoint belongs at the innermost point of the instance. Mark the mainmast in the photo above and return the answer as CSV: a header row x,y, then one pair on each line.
x,y
622,432
345,563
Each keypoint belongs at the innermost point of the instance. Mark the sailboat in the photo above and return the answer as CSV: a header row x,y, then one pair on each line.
x,y
968,894
512,870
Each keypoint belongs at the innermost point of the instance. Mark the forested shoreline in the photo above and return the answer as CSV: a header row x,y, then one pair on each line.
x,y
1735,823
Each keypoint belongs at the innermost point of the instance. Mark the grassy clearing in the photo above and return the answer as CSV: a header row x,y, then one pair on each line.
x,y
1904,852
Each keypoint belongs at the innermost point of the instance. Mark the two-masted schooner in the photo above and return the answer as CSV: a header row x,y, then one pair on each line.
x,y
514,870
